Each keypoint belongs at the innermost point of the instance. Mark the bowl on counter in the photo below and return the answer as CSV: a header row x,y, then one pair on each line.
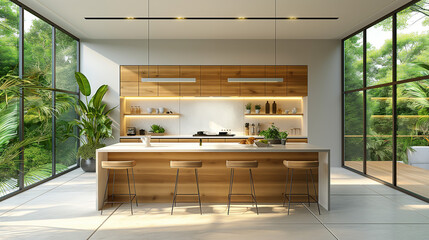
x,y
262,144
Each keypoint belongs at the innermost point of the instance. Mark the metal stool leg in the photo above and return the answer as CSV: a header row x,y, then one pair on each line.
x,y
198,189
290,191
315,192
308,192
113,187
254,192
105,191
285,194
175,192
129,192
231,181
134,182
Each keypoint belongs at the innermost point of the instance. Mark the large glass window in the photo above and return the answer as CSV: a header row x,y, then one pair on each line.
x,y
9,99
353,62
45,109
353,130
413,40
396,127
379,53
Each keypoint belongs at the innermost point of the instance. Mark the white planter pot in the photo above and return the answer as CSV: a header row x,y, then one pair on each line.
x,y
418,156
257,111
247,111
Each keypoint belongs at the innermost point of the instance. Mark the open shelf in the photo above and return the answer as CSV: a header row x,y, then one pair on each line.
x,y
273,115
152,115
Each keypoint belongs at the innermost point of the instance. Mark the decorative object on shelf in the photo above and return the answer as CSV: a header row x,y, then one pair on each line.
x,y
272,134
286,111
138,110
142,132
262,143
131,131
146,140
267,108
157,130
161,110
294,110
169,112
246,129
132,110
157,111
283,137
274,107
248,108
257,108
149,110
94,123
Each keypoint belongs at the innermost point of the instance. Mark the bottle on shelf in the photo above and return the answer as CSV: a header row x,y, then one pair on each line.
x,y
274,107
246,129
139,111
267,108
133,111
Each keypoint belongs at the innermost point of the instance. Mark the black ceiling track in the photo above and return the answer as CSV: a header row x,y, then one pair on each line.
x,y
211,18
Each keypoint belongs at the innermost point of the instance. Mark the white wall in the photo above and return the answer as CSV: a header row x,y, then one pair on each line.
x,y
100,60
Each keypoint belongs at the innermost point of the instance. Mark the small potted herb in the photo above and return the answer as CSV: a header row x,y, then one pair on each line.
x,y
257,108
156,130
248,108
283,137
272,134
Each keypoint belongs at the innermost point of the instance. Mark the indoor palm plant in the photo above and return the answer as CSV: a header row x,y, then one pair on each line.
x,y
94,123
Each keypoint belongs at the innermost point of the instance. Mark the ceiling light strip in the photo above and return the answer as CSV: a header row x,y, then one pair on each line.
x,y
211,18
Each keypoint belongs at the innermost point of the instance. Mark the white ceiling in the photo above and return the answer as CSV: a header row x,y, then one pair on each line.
x,y
353,15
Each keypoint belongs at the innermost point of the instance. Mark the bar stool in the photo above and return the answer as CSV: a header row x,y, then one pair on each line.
x,y
119,165
186,164
302,165
242,164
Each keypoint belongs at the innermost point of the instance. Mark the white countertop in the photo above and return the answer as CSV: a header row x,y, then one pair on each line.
x,y
210,147
203,137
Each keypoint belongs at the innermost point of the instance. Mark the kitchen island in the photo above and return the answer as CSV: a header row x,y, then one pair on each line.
x,y
155,179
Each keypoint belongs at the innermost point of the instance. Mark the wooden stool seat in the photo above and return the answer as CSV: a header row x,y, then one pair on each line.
x,y
186,164
300,164
241,164
118,164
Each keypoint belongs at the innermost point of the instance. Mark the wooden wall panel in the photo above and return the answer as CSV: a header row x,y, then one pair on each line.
x,y
129,73
129,89
147,89
252,89
190,89
276,89
297,80
210,81
226,88
155,179
170,89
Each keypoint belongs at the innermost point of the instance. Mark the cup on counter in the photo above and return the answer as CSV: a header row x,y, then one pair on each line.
x,y
149,110
161,110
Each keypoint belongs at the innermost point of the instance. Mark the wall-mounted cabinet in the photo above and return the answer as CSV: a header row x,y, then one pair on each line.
x,y
213,81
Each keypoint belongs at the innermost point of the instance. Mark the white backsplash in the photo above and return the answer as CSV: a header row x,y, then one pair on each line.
x,y
213,115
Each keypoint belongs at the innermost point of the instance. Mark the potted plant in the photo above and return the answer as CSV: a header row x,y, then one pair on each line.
x,y
94,123
248,108
157,130
272,134
283,137
257,108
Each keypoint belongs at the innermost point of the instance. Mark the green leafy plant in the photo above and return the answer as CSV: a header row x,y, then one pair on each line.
x,y
283,135
87,151
249,106
157,129
94,123
271,133
258,106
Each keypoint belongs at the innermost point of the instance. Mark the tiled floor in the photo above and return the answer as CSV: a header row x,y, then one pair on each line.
x,y
64,208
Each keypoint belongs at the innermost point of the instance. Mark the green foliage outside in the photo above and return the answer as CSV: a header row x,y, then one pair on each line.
x,y
38,98
412,98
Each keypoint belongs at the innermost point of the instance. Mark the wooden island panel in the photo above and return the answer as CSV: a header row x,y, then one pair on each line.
x,y
155,179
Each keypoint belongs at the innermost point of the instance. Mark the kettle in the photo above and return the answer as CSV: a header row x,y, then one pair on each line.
x,y
146,140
